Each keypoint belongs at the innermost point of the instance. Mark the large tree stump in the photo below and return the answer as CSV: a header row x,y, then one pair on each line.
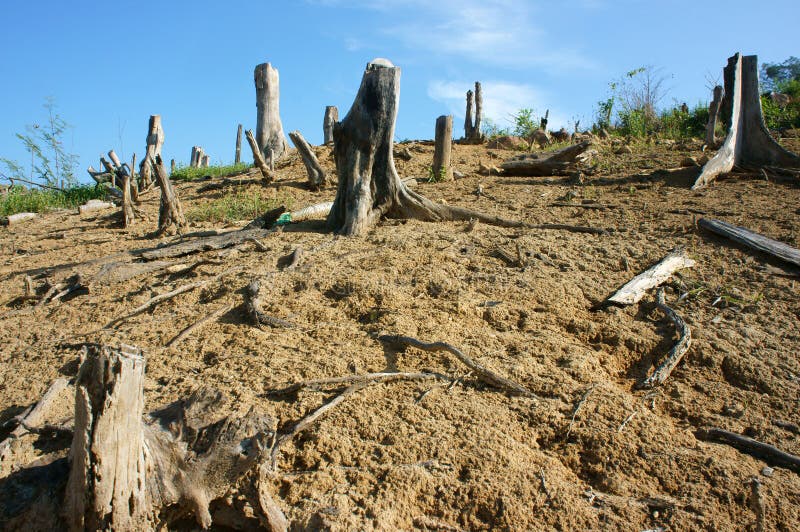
x,y
748,143
472,130
238,158
155,140
170,212
331,117
443,145
269,130
369,186
316,175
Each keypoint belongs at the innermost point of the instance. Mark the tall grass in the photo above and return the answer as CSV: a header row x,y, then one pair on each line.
x,y
20,199
236,206
187,173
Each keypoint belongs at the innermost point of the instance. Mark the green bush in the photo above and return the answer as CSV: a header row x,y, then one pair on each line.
x,y
20,199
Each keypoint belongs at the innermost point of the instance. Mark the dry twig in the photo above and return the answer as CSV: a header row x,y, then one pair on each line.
x,y
678,350
764,451
196,325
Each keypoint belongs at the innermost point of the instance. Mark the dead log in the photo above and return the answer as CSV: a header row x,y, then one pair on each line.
x,y
331,117
155,139
559,162
442,169
170,213
634,290
13,219
238,158
369,186
94,205
748,143
316,175
713,113
269,130
675,354
266,173
752,240
764,451
208,243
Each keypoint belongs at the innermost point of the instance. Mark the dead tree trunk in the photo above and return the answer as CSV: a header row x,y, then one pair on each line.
x,y
316,175
269,130
543,121
238,157
369,186
331,117
472,131
468,115
443,145
197,157
204,162
134,186
155,139
170,212
748,144
130,474
560,162
258,160
713,113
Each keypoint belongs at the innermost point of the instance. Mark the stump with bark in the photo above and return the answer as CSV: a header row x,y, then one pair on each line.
x,y
170,213
269,130
369,186
443,145
748,143
316,175
155,140
331,117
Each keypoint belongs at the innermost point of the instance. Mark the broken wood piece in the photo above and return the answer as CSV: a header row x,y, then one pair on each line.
x,y
13,219
252,301
207,243
634,290
559,162
272,515
316,175
34,416
95,205
198,324
330,119
170,212
294,258
678,350
122,271
764,451
258,159
752,240
484,374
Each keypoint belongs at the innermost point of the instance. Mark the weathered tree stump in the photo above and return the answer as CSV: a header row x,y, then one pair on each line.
x,y
443,145
170,213
472,130
369,186
316,175
238,158
748,143
128,217
196,160
204,162
331,117
713,113
155,140
269,130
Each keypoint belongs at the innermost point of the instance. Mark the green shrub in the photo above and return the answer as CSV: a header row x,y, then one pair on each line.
x,y
187,173
20,199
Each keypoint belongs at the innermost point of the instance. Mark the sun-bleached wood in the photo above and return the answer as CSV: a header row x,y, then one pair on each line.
x,y
331,117
316,175
269,130
635,289
748,143
258,159
443,145
752,240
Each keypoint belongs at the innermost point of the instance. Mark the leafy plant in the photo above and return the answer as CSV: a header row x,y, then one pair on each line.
x,y
491,130
434,177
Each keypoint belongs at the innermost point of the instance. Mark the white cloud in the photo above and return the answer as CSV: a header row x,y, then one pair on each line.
x,y
501,100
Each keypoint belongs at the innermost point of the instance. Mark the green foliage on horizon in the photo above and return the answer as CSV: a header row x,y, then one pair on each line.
x,y
187,173
21,199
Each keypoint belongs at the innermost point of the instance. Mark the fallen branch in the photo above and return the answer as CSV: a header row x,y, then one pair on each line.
x,y
357,379
484,374
258,159
209,243
752,240
198,324
764,451
678,350
253,304
316,175
635,289
32,418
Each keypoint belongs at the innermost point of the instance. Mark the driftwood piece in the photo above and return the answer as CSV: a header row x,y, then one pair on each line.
x,y
713,114
764,451
752,240
198,324
748,143
486,375
442,169
170,212
675,354
252,301
258,159
330,119
130,473
269,130
369,187
238,157
559,162
316,175
634,290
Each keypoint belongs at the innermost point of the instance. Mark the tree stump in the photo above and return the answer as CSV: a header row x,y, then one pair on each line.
x,y
170,212
331,117
369,186
472,130
748,143
238,158
196,160
713,113
443,145
258,159
269,130
128,217
316,175
155,140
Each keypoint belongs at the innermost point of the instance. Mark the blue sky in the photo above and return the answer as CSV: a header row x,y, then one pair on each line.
x,y
109,65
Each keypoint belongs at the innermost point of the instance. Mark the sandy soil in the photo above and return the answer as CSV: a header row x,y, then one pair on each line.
x,y
591,453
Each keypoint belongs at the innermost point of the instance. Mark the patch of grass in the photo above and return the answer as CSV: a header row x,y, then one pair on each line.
x,y
236,206
21,199
187,173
